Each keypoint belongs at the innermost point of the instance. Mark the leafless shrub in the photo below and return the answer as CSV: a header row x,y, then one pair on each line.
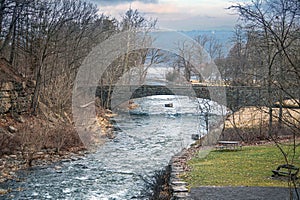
x,y
5,141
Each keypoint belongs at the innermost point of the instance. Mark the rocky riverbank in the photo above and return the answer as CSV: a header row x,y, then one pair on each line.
x,y
29,141
10,164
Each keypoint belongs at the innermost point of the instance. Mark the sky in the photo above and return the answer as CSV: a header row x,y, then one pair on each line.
x,y
183,15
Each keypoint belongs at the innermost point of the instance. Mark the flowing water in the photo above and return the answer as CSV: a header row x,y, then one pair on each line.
x,y
146,139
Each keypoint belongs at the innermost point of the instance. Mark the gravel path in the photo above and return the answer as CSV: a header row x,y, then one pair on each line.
x,y
241,193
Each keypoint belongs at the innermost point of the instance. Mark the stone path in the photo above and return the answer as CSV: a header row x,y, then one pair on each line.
x,y
241,193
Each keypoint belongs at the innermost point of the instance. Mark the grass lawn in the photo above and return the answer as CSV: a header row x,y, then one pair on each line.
x,y
252,166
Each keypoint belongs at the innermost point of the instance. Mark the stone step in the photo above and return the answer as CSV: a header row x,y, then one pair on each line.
x,y
176,168
175,171
177,165
182,195
179,189
175,179
179,183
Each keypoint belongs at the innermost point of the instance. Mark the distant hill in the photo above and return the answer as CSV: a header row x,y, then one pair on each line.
x,y
224,36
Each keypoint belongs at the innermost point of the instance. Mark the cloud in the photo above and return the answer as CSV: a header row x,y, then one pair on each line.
x,y
200,22
117,2
175,14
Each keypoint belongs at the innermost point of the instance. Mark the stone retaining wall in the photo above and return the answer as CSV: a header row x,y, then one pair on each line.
x,y
15,96
178,186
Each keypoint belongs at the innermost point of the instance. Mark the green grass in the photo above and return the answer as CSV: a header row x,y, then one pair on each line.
x,y
252,166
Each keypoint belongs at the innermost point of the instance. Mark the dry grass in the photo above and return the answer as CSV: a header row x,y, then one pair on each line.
x,y
35,135
251,123
254,117
50,130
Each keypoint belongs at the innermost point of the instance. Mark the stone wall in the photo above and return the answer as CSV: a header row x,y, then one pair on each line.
x,y
236,96
15,96
178,186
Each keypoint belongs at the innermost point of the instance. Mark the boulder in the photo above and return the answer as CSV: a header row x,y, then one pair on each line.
x,y
12,129
5,105
4,94
22,104
3,191
31,83
20,119
195,136
57,167
13,156
4,132
7,86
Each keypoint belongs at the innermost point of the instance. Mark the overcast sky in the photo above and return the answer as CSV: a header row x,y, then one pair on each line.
x,y
177,14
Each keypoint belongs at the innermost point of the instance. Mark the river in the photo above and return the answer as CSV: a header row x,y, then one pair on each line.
x,y
146,139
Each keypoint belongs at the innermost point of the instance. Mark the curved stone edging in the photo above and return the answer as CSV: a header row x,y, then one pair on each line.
x,y
178,186
178,166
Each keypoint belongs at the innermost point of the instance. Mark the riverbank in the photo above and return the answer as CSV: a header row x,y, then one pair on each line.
x,y
178,165
249,126
30,141
141,140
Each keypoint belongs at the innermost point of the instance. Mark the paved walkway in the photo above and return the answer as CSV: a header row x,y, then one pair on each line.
x,y
241,193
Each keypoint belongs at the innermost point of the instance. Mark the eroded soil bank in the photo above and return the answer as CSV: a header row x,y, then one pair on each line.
x,y
28,141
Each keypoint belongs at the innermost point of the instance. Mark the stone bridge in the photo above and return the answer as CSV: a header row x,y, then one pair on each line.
x,y
236,96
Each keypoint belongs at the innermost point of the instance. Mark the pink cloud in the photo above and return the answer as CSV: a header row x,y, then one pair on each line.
x,y
177,15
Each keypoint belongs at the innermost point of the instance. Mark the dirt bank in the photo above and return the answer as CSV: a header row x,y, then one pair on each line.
x,y
27,141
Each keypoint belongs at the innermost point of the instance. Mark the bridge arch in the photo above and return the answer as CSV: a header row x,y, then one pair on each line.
x,y
105,53
236,96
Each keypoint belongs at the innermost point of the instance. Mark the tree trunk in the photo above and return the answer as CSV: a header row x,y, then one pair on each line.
x,y
2,7
37,89
270,101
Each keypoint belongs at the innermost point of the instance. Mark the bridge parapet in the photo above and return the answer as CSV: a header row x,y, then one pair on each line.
x,y
236,96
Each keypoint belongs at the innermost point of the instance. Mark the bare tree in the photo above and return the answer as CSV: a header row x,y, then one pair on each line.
x,y
51,20
132,62
274,26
